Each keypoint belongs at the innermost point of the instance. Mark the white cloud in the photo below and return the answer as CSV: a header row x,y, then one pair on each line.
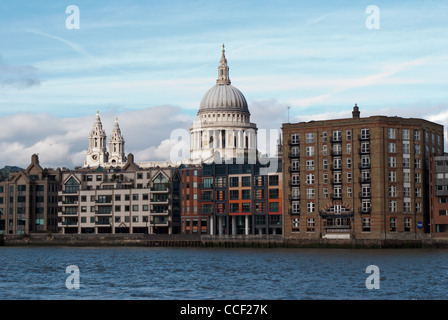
x,y
63,142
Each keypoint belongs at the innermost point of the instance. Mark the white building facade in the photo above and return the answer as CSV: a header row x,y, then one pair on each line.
x,y
223,129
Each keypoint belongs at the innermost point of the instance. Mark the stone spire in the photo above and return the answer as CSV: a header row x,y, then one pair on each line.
x,y
223,69
97,152
116,146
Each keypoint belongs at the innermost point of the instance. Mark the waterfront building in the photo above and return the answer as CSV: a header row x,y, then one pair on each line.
x,y
29,199
359,177
439,196
239,199
194,218
129,199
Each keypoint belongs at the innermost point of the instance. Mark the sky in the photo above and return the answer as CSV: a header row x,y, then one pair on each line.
x,y
150,62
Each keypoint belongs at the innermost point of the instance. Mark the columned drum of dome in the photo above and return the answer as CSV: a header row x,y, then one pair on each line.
x,y
223,129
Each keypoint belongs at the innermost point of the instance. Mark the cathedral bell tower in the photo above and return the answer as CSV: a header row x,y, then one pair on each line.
x,y
97,153
116,146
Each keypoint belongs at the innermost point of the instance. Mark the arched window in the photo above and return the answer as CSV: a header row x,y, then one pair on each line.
x,y
71,186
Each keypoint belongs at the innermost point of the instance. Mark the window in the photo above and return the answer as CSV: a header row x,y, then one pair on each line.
x,y
310,151
407,163
234,181
324,150
71,186
390,133
418,178
309,164
310,137
274,207
349,192
245,194
406,147
349,148
295,192
245,181
393,224
325,164
295,165
349,163
273,180
417,164
405,134
366,224
407,224
337,135
392,206
392,176
310,225
349,177
296,224
416,135
310,193
365,190
365,162
295,151
407,207
325,192
234,207
310,207
392,191
416,149
365,133
245,207
310,178
295,207
295,179
349,135
365,147
324,136
337,163
273,194
366,206
233,194
392,162
295,138
325,177
337,149
391,147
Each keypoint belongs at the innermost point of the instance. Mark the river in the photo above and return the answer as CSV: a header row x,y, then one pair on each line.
x,y
118,273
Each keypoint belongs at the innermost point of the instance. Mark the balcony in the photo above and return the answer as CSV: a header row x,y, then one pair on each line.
x,y
294,197
365,210
364,180
364,136
364,195
161,212
335,168
293,155
336,196
293,212
364,165
160,200
293,169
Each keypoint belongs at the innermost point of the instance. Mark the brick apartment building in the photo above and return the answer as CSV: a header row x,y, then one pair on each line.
x,y
29,199
365,178
231,199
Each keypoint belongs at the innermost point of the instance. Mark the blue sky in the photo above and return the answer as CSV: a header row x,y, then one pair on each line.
x,y
154,60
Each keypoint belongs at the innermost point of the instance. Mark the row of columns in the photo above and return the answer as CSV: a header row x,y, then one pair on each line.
x,y
221,139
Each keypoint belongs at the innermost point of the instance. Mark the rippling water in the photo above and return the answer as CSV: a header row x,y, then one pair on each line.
x,y
221,273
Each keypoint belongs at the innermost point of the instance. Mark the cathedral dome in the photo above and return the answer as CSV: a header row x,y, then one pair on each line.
x,y
223,96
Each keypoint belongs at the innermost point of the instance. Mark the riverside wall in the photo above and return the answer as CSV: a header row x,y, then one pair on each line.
x,y
160,240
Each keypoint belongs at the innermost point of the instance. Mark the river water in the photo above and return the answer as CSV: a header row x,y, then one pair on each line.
x,y
117,273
